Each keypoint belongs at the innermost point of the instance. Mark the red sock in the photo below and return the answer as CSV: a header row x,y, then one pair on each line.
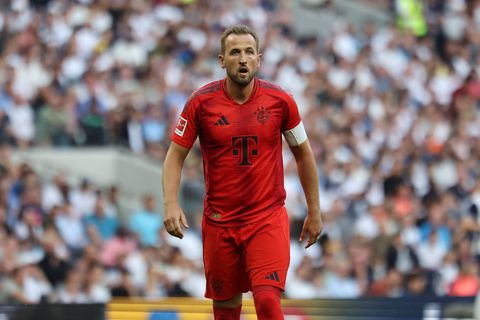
x,y
267,302
227,313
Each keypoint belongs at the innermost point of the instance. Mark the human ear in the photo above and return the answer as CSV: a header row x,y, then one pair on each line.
x,y
221,60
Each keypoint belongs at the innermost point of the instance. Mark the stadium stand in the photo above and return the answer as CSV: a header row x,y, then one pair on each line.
x,y
392,114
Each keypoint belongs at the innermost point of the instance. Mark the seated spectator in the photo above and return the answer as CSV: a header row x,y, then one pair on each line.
x,y
83,198
100,227
30,225
54,264
431,253
437,217
389,286
53,122
415,284
93,125
11,288
340,283
112,205
156,284
400,256
28,285
146,223
154,129
70,226
71,291
123,287
21,118
97,289
55,193
467,283
117,248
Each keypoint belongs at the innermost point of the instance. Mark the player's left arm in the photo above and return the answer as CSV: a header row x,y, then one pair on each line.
x,y
296,136
307,172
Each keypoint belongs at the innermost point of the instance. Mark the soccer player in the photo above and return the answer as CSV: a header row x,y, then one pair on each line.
x,y
245,230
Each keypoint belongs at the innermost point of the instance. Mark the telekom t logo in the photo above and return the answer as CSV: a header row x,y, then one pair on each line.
x,y
245,146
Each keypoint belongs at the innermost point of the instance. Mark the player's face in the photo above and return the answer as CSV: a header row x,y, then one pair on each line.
x,y
240,59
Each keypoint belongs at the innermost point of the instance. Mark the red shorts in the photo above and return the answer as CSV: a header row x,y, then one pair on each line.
x,y
239,258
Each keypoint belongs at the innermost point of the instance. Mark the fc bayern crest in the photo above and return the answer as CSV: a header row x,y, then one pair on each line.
x,y
262,115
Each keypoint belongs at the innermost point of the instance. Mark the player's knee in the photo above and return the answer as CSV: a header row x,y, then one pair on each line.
x,y
228,309
267,302
230,303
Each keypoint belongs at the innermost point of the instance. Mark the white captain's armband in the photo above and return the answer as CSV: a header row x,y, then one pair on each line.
x,y
296,136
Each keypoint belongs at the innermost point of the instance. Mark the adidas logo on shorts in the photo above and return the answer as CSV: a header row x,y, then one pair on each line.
x,y
273,276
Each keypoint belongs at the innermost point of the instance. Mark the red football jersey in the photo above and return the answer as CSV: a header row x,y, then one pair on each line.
x,y
241,147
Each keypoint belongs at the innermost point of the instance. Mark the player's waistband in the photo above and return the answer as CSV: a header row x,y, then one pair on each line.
x,y
236,219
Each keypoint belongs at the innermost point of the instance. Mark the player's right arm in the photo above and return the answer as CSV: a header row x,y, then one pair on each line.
x,y
183,137
174,217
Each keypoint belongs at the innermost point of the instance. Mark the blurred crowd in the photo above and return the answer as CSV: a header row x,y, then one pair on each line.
x,y
392,116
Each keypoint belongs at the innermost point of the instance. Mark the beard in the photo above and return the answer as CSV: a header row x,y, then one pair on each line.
x,y
242,82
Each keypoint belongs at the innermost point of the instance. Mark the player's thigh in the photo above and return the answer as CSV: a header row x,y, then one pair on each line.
x,y
267,255
224,271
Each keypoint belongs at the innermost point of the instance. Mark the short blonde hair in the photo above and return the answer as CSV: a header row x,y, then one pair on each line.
x,y
238,29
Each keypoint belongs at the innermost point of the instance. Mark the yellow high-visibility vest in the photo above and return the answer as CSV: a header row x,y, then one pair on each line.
x,y
410,16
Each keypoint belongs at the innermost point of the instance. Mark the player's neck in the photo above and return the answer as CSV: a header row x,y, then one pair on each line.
x,y
239,94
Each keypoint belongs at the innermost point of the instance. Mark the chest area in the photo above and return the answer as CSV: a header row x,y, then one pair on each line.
x,y
221,122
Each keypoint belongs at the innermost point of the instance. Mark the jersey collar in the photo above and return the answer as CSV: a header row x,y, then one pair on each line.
x,y
252,95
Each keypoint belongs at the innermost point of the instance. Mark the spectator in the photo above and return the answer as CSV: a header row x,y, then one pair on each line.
x,y
53,121
340,283
100,227
146,223
83,199
54,268
28,285
93,125
401,257
436,223
112,204
416,284
431,252
117,248
390,286
71,291
155,287
123,287
467,283
55,193
192,193
71,228
22,122
97,289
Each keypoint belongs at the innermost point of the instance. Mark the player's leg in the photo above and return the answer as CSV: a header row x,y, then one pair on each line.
x,y
223,271
267,302
267,261
228,309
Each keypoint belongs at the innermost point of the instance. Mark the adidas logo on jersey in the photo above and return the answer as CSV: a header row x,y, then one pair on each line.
x,y
222,121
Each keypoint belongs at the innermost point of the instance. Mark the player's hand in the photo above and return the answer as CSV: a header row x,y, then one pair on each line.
x,y
312,226
174,219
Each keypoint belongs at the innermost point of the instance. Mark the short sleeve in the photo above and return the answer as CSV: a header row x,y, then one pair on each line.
x,y
291,115
186,130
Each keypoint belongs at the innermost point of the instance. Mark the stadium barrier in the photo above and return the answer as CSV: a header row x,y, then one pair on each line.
x,y
52,312
410,308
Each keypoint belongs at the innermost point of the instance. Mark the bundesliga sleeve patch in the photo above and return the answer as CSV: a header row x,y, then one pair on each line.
x,y
181,126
